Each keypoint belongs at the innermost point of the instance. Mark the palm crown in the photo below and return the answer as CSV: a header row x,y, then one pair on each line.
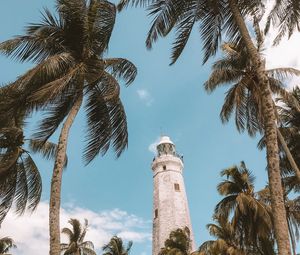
x,y
243,98
178,243
68,50
116,247
6,243
76,236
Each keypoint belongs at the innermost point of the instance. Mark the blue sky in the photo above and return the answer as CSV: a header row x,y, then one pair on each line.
x,y
163,99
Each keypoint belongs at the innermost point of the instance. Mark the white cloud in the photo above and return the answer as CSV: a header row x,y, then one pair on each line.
x,y
30,231
283,55
152,146
145,96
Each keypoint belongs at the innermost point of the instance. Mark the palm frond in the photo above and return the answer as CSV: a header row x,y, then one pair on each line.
x,y
121,68
183,31
124,3
41,41
100,23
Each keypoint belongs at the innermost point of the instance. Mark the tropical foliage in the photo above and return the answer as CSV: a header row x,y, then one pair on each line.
x,y
178,243
244,219
116,247
71,72
20,180
68,49
230,19
76,244
6,243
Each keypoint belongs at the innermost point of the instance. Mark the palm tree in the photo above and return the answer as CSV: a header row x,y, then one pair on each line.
x,y
292,207
178,243
76,235
226,240
6,243
230,242
244,96
285,14
251,218
116,247
68,51
289,115
228,19
20,182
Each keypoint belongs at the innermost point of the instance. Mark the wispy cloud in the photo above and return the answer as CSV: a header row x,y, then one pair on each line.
x,y
30,231
152,146
145,96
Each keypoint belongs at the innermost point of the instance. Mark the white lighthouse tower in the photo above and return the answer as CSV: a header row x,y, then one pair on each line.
x,y
170,205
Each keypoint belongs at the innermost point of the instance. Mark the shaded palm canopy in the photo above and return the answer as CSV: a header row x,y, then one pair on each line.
x,y
6,243
76,235
289,116
178,243
20,180
116,247
249,218
68,51
226,240
292,207
244,97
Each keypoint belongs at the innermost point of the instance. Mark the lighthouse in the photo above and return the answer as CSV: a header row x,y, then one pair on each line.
x,y
170,205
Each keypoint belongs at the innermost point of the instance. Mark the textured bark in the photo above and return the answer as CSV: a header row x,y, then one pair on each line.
x,y
289,155
270,129
55,193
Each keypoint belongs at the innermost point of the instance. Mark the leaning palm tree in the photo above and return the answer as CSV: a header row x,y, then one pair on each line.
x,y
226,19
178,243
116,247
68,50
250,217
76,235
6,243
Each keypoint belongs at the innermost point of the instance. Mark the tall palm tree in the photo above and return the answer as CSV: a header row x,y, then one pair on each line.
x,y
116,247
76,235
20,180
6,243
251,218
244,97
68,51
226,19
178,243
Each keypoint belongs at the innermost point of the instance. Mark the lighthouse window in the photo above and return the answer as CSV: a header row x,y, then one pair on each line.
x,y
176,186
164,167
155,213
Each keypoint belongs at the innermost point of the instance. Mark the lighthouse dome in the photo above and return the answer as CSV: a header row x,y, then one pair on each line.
x,y
165,139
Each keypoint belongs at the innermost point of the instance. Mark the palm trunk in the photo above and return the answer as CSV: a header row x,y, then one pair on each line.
x,y
270,129
288,154
292,236
55,195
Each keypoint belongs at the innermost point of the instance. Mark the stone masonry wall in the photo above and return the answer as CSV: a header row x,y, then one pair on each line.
x,y
171,205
